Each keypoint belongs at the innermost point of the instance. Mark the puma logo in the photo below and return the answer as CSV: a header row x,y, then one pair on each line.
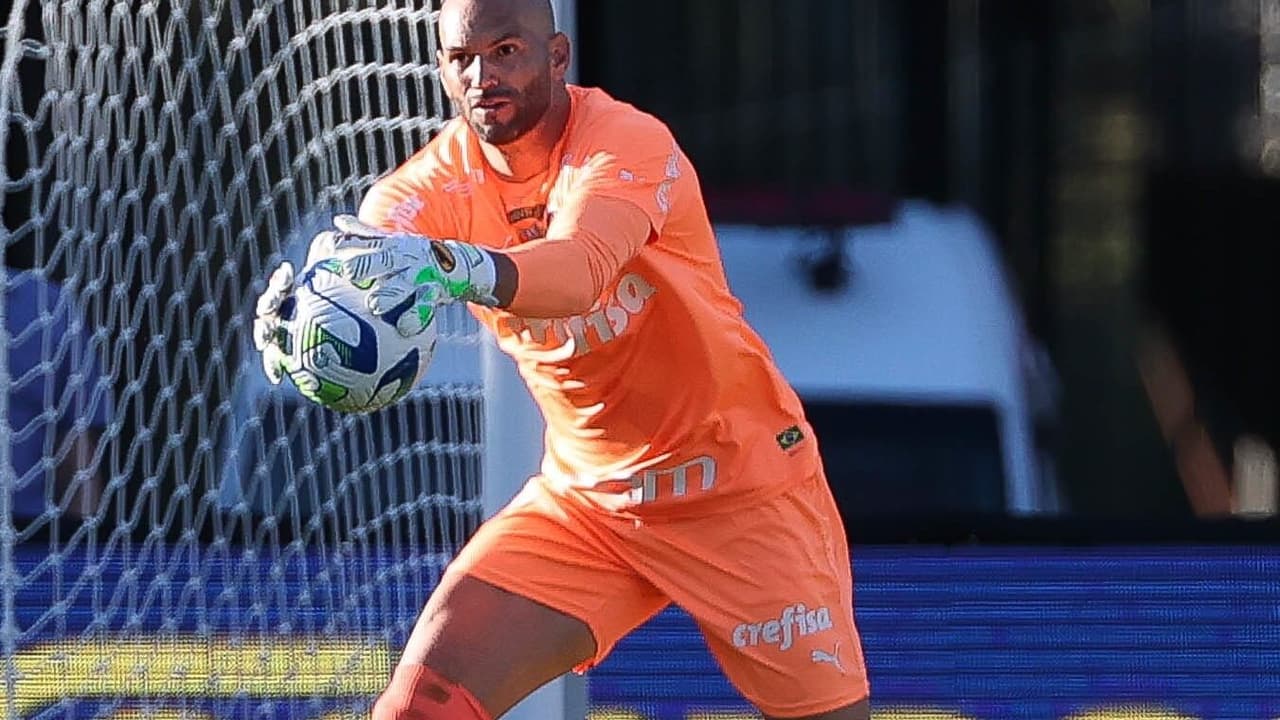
x,y
833,657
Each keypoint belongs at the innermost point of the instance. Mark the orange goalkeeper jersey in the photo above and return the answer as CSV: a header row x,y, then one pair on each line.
x,y
660,398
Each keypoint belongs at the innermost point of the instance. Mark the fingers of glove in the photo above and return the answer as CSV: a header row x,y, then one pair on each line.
x,y
388,293
352,225
373,264
273,364
351,228
264,332
323,245
307,383
415,319
279,287
281,279
420,310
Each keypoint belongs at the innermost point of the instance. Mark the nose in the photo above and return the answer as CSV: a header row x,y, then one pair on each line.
x,y
480,74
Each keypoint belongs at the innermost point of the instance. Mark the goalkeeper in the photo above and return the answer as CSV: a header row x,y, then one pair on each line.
x,y
679,467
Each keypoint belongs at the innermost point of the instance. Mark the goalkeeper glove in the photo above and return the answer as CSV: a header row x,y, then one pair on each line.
x,y
273,320
271,328
398,266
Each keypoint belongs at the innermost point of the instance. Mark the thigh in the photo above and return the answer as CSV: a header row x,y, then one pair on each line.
x,y
533,595
771,588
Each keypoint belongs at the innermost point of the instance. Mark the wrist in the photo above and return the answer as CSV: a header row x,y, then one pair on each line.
x,y
470,272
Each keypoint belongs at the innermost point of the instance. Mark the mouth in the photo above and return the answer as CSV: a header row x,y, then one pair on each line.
x,y
491,111
491,103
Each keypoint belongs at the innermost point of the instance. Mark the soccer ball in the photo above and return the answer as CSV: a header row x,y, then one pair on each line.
x,y
344,356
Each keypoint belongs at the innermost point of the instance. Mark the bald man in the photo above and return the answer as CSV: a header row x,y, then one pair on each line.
x,y
679,467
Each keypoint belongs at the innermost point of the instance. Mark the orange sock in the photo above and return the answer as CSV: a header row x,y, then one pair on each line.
x,y
417,692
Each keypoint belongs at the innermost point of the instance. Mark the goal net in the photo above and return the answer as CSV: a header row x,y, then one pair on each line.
x,y
177,538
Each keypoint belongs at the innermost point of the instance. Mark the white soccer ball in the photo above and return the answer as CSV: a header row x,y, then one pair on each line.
x,y
347,358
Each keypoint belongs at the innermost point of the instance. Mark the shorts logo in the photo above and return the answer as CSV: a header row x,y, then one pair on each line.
x,y
795,620
833,657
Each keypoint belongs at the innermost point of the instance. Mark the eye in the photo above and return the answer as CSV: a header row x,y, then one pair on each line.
x,y
460,59
507,49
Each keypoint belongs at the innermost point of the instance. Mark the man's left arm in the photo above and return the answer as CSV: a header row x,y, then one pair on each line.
x,y
557,276
564,273
618,201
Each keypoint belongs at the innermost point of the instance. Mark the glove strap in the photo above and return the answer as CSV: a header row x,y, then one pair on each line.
x,y
469,272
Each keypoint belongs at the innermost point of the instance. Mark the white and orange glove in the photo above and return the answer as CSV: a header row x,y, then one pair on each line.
x,y
396,266
273,321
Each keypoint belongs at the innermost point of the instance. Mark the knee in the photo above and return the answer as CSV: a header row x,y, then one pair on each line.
x,y
417,692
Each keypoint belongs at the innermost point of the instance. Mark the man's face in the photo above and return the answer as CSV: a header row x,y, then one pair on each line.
x,y
497,69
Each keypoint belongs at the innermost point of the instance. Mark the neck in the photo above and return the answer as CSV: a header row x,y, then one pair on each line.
x,y
530,155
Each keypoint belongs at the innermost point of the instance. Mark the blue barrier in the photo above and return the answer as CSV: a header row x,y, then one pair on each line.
x,y
1018,632
972,633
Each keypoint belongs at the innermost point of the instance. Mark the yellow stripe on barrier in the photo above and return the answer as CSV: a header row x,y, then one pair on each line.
x,y
917,714
615,714
160,714
1130,712
193,667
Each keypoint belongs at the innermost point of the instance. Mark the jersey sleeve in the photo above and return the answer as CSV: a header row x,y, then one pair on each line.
x,y
635,161
617,199
410,201
563,275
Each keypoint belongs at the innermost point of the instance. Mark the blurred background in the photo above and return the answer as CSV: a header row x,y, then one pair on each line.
x,y
1033,316
1119,154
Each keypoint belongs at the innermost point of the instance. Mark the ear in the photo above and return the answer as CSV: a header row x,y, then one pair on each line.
x,y
442,74
560,54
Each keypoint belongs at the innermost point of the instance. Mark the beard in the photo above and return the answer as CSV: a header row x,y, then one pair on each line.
x,y
525,110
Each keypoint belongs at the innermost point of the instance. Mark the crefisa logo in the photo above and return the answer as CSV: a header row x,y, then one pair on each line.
x,y
795,620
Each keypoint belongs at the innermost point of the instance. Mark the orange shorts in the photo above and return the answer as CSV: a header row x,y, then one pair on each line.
x,y
769,586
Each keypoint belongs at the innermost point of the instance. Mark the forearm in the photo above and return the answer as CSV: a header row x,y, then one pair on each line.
x,y
565,273
552,278
561,275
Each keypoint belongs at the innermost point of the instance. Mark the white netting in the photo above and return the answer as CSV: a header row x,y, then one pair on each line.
x,y
175,540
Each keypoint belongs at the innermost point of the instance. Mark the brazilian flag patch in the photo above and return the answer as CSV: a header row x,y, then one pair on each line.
x,y
790,437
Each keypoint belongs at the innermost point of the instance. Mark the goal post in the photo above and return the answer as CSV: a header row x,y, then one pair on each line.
x,y
178,538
